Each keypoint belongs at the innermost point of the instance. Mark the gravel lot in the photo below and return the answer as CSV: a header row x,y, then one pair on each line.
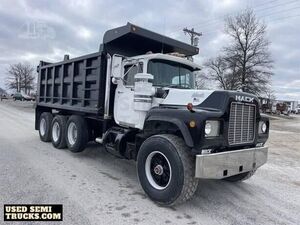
x,y
97,188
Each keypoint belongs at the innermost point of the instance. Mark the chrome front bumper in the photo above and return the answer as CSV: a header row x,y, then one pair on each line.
x,y
226,164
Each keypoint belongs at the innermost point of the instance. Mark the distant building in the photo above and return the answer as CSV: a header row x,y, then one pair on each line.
x,y
271,105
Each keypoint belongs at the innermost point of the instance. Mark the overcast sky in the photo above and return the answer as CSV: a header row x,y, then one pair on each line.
x,y
46,30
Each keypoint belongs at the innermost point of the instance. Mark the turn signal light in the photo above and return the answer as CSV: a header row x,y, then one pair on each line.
x,y
192,124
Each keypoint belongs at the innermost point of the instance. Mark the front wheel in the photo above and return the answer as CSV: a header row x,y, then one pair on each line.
x,y
166,169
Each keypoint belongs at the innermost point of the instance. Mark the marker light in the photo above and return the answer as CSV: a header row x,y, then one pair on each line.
x,y
189,106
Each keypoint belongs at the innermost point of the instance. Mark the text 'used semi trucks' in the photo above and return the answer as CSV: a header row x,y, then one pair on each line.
x,y
136,96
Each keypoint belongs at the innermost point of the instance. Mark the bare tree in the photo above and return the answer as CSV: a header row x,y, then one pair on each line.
x,y
221,70
245,63
200,80
268,93
249,51
20,77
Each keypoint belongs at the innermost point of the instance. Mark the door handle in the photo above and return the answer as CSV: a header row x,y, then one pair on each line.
x,y
120,92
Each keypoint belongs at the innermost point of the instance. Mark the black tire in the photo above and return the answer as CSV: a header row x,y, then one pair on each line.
x,y
181,184
45,126
79,144
240,177
58,133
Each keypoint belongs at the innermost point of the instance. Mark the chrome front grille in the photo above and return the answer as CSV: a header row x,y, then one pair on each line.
x,y
241,129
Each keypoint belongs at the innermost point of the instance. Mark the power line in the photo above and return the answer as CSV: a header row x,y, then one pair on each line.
x,y
275,6
286,17
228,14
217,21
276,19
220,20
266,3
286,10
260,17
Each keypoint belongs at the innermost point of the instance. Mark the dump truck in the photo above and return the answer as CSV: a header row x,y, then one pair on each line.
x,y
136,97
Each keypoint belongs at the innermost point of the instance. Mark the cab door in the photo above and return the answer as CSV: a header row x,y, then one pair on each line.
x,y
124,112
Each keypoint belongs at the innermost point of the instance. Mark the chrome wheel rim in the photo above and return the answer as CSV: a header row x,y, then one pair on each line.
x,y
55,131
43,126
158,170
72,133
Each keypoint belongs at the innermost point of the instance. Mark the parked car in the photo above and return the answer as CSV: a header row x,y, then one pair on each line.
x,y
28,97
18,96
3,96
22,97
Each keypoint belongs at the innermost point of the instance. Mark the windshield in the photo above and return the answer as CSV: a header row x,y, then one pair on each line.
x,y
171,74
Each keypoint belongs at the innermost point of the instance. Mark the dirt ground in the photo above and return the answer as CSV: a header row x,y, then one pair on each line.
x,y
97,188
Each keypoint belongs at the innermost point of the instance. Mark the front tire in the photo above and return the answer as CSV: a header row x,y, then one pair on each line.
x,y
58,128
166,169
76,133
45,126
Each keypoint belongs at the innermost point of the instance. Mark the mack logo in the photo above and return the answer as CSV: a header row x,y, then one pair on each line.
x,y
242,98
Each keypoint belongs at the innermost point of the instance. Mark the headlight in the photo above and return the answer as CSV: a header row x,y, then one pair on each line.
x,y
207,128
212,128
263,127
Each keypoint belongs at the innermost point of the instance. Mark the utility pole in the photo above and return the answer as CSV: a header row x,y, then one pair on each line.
x,y
194,37
193,34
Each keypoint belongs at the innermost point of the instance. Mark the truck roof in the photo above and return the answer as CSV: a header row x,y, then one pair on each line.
x,y
130,40
168,57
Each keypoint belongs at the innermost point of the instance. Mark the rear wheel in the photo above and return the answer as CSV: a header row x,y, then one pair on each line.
x,y
45,126
76,133
58,131
166,169
240,177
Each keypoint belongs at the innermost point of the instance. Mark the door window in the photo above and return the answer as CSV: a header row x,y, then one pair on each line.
x,y
130,71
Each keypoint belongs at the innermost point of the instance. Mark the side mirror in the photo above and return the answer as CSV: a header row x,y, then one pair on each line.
x,y
116,67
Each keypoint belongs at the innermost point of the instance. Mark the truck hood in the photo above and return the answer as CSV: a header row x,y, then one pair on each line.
x,y
185,96
208,99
